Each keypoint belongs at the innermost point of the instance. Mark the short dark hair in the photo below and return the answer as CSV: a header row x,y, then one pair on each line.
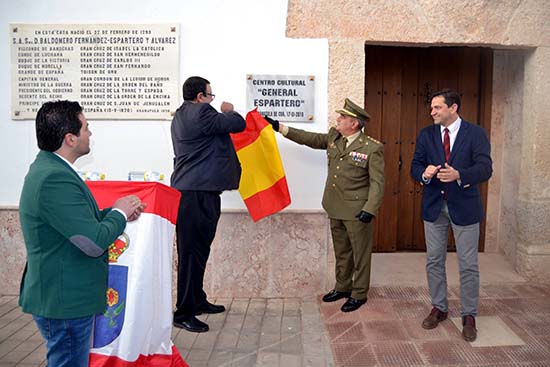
x,y
450,96
193,86
54,120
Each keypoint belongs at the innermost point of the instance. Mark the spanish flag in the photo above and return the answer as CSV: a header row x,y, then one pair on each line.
x,y
263,184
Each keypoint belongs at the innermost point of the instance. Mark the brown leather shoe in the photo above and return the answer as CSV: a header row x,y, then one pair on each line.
x,y
434,318
469,331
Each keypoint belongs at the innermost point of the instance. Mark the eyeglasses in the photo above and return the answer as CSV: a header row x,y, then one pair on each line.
x,y
211,95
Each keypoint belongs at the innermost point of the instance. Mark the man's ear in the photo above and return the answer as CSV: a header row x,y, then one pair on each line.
x,y
69,139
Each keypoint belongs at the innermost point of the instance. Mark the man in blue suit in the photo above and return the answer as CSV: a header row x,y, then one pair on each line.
x,y
451,159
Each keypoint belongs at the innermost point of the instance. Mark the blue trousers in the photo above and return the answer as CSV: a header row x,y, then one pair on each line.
x,y
67,340
466,239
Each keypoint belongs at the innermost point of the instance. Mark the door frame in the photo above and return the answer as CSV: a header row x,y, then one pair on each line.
x,y
376,107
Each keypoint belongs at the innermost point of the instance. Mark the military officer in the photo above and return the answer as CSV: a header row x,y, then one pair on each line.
x,y
353,194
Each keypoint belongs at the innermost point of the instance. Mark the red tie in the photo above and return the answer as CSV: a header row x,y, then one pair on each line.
x,y
447,145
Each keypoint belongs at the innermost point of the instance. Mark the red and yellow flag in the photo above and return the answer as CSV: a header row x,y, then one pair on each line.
x,y
263,184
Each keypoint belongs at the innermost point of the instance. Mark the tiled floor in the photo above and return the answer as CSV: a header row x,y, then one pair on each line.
x,y
253,332
513,331
259,332
514,326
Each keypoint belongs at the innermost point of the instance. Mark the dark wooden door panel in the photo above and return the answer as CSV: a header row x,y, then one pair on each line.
x,y
398,84
373,101
409,106
391,107
428,70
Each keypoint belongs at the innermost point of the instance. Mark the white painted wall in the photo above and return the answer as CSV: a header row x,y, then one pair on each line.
x,y
221,40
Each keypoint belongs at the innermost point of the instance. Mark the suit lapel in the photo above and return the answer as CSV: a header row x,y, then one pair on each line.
x,y
459,141
339,143
80,182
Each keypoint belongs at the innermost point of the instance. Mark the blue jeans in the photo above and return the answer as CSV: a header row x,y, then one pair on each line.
x,y
67,341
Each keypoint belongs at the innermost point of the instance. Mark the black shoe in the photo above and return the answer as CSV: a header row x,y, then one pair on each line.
x,y
352,304
335,295
210,308
193,325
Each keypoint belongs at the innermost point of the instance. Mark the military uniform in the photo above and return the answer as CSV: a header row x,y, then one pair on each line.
x,y
355,182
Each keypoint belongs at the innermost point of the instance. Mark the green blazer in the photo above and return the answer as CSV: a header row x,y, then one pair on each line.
x,y
66,237
355,179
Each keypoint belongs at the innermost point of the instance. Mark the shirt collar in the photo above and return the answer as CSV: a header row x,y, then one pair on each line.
x,y
453,127
69,163
351,138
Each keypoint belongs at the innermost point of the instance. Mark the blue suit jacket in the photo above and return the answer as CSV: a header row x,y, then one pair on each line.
x,y
471,156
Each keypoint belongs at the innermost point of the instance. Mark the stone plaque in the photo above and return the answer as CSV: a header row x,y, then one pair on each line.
x,y
283,97
115,71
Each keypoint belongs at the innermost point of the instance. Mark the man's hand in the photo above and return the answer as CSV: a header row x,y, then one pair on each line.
x,y
135,215
364,217
131,205
448,174
226,107
274,123
430,171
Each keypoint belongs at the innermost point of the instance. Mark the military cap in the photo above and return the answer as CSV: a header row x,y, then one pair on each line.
x,y
353,110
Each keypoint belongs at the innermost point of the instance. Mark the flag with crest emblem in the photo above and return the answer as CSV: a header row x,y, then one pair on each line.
x,y
135,329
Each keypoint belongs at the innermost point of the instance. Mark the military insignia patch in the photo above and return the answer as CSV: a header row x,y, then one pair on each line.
x,y
358,157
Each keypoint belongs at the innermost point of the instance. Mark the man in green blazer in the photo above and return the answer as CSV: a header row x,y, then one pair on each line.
x,y
66,237
353,193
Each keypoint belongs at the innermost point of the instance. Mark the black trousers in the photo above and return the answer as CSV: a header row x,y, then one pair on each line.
x,y
198,215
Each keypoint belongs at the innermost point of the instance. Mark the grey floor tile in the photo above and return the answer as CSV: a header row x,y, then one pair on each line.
x,y
271,324
239,306
227,339
270,342
274,307
257,307
248,341
292,344
244,359
290,360
268,359
220,358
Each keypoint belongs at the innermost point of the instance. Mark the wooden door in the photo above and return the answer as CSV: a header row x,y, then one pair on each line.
x,y
398,85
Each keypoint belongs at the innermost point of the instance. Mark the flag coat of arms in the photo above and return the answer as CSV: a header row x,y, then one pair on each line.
x,y
135,329
263,185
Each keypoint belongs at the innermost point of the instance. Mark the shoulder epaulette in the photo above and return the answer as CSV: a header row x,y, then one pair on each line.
x,y
373,139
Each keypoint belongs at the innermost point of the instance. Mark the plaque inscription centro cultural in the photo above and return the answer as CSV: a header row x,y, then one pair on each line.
x,y
289,98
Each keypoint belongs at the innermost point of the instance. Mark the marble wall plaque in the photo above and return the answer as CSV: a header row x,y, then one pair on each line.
x,y
115,71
